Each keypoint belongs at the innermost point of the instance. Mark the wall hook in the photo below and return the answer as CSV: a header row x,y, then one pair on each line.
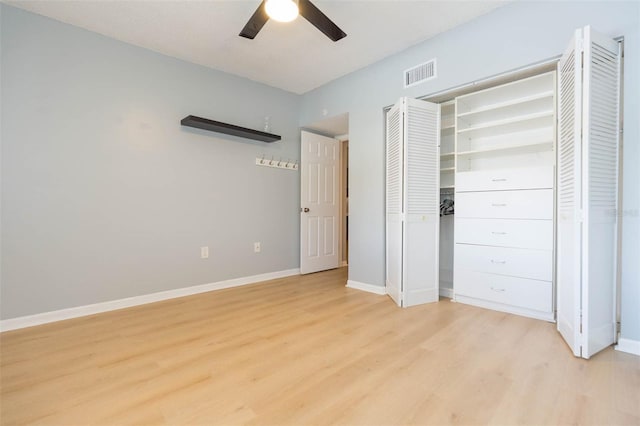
x,y
277,164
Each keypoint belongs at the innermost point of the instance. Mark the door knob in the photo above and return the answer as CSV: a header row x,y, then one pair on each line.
x,y
306,210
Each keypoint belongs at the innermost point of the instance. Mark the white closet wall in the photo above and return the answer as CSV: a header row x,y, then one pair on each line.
x,y
447,145
447,185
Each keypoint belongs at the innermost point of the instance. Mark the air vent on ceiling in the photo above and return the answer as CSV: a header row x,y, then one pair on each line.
x,y
420,73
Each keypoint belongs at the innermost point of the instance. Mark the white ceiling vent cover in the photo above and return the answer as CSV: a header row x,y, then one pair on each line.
x,y
420,73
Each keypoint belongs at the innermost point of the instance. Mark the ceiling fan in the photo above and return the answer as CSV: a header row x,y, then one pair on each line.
x,y
287,10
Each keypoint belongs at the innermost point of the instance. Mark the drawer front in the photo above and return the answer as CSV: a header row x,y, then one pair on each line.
x,y
533,234
520,292
515,262
529,204
505,179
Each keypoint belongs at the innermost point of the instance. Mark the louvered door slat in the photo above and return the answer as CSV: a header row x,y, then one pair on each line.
x,y
394,162
423,171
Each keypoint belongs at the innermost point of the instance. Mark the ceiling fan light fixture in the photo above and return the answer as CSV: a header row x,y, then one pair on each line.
x,y
282,10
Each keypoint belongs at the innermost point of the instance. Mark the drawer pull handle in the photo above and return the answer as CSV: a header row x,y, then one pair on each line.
x,y
499,204
499,180
499,290
499,233
499,262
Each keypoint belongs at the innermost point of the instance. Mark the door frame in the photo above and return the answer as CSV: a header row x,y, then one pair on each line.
x,y
344,207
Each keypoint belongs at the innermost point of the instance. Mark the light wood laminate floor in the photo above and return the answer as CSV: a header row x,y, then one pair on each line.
x,y
307,350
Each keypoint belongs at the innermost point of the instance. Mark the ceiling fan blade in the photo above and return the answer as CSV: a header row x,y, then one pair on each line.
x,y
320,20
255,23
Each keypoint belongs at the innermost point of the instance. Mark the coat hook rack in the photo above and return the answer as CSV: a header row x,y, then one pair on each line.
x,y
277,164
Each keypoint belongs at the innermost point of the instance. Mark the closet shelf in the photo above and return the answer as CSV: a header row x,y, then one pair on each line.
x,y
508,122
510,102
510,92
524,148
447,154
448,127
447,169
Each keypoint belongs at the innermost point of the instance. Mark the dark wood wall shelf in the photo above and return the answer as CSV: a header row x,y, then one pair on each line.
x,y
228,129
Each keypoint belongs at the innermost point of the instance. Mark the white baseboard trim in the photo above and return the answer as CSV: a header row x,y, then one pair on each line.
x,y
96,308
495,306
446,292
370,288
629,346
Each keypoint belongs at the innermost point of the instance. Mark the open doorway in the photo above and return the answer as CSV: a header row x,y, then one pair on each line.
x,y
336,128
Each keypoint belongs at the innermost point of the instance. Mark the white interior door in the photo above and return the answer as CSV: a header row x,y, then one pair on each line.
x,y
320,204
600,130
587,192
421,268
394,202
569,233
412,202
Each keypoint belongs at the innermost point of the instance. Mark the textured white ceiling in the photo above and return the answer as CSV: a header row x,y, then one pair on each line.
x,y
295,57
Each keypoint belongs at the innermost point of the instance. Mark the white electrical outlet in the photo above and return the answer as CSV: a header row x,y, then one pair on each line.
x,y
204,252
256,247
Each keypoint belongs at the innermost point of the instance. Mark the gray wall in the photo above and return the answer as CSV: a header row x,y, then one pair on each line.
x,y
511,37
105,196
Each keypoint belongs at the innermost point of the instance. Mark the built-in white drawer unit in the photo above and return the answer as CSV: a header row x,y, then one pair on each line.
x,y
519,233
520,292
528,204
505,173
515,262
505,179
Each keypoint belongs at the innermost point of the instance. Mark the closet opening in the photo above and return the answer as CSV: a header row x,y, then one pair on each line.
x,y
528,165
448,157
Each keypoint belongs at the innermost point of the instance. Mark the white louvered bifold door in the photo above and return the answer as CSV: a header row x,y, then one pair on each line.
x,y
394,190
421,202
600,130
587,192
569,194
